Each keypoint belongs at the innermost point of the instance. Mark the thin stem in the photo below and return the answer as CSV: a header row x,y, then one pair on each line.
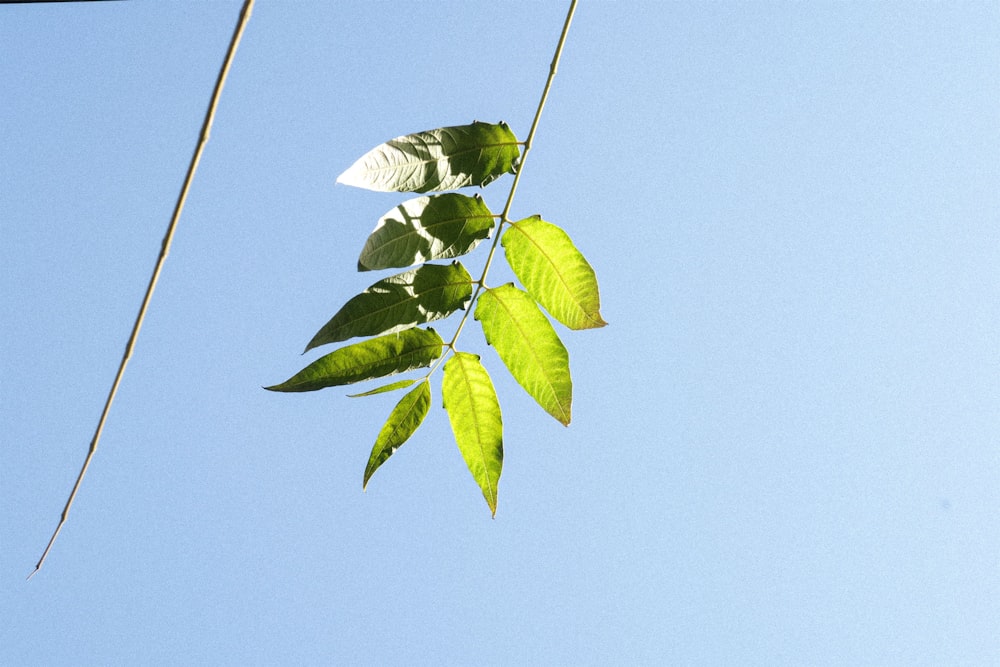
x,y
504,219
164,250
553,68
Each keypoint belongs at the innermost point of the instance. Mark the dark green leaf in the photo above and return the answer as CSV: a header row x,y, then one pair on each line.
x,y
404,420
554,272
392,386
474,413
375,358
441,159
426,228
528,346
400,302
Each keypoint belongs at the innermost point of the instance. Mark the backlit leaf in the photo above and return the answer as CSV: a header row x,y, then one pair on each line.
x,y
529,347
400,302
554,272
392,386
404,420
443,159
426,228
375,358
474,413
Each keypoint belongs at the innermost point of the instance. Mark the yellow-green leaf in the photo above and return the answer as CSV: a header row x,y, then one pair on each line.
x,y
529,347
474,413
404,420
554,272
392,386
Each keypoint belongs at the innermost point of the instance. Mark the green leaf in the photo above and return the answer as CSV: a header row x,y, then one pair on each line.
x,y
474,413
441,159
554,272
529,347
392,386
426,228
375,358
400,302
404,420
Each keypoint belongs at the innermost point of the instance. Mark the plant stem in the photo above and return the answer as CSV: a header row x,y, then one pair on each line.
x,y
553,68
164,250
504,219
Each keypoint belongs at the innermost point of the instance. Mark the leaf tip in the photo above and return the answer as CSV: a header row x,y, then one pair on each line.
x,y
314,342
349,175
351,178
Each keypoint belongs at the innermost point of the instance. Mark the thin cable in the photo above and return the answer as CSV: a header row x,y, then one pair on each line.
x,y
164,251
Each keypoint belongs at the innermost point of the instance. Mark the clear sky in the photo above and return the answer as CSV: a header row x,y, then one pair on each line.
x,y
784,448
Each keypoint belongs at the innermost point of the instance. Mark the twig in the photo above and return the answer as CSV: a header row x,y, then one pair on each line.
x,y
553,68
164,250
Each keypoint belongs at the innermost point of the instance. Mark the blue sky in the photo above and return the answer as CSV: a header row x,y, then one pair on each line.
x,y
785,444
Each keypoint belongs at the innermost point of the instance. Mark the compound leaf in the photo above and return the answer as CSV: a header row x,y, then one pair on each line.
x,y
375,358
528,346
404,420
554,272
400,302
443,159
426,228
474,413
